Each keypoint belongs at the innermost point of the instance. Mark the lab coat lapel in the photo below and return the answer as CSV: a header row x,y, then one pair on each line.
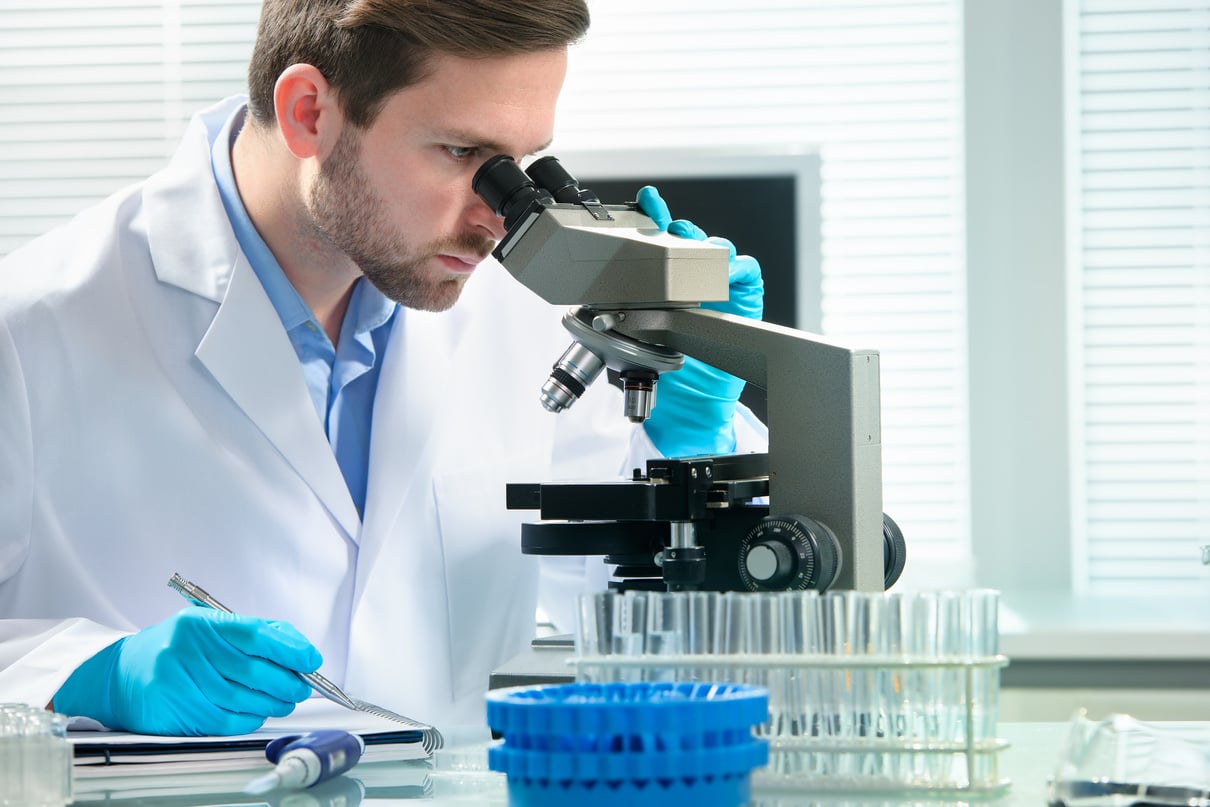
x,y
249,354
398,567
245,348
410,391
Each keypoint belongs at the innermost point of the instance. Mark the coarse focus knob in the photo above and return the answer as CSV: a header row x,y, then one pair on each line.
x,y
789,552
894,551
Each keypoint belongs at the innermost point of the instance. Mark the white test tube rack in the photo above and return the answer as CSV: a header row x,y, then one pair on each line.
x,y
951,748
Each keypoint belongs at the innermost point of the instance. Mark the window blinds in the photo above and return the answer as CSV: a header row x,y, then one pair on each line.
x,y
95,96
876,87
1142,133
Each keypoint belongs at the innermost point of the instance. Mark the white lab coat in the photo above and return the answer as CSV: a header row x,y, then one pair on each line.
x,y
153,419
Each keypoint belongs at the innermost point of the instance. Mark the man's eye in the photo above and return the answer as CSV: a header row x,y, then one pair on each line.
x,y
462,152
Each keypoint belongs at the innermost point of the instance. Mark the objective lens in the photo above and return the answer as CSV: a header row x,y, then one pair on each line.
x,y
575,370
638,388
507,190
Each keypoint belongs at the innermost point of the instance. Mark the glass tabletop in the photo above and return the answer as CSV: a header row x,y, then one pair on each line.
x,y
459,777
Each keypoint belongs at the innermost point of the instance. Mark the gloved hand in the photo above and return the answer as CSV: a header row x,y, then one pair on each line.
x,y
199,672
695,406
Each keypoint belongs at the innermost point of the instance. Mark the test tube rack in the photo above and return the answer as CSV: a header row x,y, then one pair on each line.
x,y
862,717
946,748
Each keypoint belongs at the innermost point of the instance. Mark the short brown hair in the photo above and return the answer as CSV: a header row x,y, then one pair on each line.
x,y
368,49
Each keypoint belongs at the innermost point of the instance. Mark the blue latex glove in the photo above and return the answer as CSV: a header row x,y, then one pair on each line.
x,y
695,406
199,672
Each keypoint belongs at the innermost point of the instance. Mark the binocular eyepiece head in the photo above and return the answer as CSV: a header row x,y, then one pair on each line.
x,y
511,192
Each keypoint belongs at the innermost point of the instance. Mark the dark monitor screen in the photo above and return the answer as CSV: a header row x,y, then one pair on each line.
x,y
754,213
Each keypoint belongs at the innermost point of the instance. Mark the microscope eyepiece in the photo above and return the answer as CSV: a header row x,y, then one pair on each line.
x,y
507,190
549,173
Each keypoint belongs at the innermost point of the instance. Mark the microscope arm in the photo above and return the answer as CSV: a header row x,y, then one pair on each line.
x,y
825,452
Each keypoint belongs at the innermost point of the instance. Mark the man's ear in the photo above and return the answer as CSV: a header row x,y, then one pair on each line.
x,y
308,116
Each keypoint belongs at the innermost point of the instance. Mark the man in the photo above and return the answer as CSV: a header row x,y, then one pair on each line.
x,y
267,368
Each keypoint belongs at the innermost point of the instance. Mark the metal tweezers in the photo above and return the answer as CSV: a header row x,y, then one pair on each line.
x,y
430,738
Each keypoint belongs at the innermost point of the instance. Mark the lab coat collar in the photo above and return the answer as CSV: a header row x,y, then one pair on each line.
x,y
197,254
245,348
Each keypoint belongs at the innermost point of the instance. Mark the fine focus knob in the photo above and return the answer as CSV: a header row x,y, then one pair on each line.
x,y
771,563
789,552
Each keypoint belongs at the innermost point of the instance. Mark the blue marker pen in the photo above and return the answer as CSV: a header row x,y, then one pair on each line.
x,y
307,759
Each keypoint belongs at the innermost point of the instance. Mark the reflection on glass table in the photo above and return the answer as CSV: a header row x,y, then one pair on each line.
x,y
461,778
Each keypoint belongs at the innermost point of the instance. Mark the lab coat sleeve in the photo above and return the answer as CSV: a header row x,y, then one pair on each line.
x,y
36,655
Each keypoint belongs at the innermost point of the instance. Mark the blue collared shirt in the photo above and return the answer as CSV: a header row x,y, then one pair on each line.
x,y
341,378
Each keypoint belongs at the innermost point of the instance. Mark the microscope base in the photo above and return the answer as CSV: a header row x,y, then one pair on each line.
x,y
547,661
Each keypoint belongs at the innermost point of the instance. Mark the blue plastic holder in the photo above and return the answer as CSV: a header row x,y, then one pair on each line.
x,y
638,743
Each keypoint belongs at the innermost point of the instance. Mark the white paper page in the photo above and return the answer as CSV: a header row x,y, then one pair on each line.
x,y
310,715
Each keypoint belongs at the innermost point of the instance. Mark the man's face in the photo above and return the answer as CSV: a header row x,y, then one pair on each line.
x,y
396,197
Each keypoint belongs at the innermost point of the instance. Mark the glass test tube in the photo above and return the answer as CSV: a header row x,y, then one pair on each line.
x,y
667,626
35,757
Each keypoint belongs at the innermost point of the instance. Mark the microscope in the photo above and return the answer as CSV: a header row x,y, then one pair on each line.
x,y
807,514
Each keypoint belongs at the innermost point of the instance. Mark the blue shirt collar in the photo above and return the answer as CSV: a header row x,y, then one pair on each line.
x,y
368,308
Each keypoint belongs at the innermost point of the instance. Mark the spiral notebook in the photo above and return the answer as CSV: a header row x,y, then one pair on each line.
x,y
116,753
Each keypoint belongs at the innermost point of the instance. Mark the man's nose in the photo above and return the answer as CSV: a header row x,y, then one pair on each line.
x,y
485,219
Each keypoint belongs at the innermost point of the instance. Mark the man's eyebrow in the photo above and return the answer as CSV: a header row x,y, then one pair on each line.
x,y
456,137
540,148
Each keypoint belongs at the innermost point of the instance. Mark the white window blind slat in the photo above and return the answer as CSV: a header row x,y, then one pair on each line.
x,y
1143,133
1131,16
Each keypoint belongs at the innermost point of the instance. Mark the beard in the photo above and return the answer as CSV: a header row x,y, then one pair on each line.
x,y
345,213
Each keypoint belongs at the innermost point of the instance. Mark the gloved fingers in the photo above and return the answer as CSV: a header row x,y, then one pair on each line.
x,y
258,675
722,242
687,229
215,707
651,203
745,271
279,642
747,290
252,652
235,682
